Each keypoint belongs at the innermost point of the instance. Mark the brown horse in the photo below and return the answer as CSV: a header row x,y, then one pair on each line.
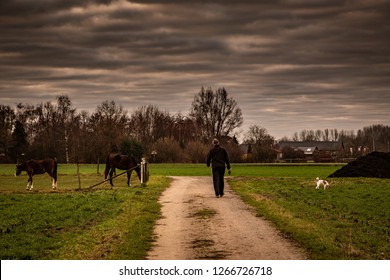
x,y
33,167
122,162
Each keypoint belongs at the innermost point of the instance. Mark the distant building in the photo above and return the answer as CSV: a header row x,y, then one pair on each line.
x,y
305,151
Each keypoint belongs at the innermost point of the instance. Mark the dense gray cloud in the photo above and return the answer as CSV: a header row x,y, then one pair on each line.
x,y
290,64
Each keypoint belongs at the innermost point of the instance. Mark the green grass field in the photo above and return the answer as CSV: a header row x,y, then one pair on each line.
x,y
349,221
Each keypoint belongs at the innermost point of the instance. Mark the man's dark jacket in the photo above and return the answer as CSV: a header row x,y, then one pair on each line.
x,y
218,157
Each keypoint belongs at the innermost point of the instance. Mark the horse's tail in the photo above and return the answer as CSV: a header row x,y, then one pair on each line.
x,y
55,169
107,169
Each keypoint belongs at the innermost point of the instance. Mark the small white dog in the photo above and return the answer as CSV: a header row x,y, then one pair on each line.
x,y
322,182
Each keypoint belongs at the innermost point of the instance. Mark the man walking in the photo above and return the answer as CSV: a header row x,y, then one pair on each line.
x,y
218,158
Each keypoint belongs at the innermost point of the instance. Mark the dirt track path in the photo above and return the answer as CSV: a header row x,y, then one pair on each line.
x,y
197,225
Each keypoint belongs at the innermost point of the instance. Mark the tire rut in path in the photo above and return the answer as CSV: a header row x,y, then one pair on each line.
x,y
197,225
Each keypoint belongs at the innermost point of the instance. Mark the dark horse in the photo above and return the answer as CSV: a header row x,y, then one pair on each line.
x,y
33,167
122,162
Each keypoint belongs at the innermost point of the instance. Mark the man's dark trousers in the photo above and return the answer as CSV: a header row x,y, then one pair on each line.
x,y
218,181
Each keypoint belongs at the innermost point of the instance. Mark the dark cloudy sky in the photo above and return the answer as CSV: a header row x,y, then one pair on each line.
x,y
289,64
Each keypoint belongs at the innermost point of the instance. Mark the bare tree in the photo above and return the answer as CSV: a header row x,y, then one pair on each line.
x,y
65,117
19,142
326,135
148,124
45,142
261,143
110,126
183,130
318,135
215,114
295,137
7,117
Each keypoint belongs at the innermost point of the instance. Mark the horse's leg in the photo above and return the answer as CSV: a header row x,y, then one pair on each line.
x,y
54,176
53,182
29,183
128,178
111,173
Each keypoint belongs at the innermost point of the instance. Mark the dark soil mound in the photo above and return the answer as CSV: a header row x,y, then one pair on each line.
x,y
374,165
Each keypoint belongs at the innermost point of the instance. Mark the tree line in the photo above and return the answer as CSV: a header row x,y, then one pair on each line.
x,y
57,129
370,138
